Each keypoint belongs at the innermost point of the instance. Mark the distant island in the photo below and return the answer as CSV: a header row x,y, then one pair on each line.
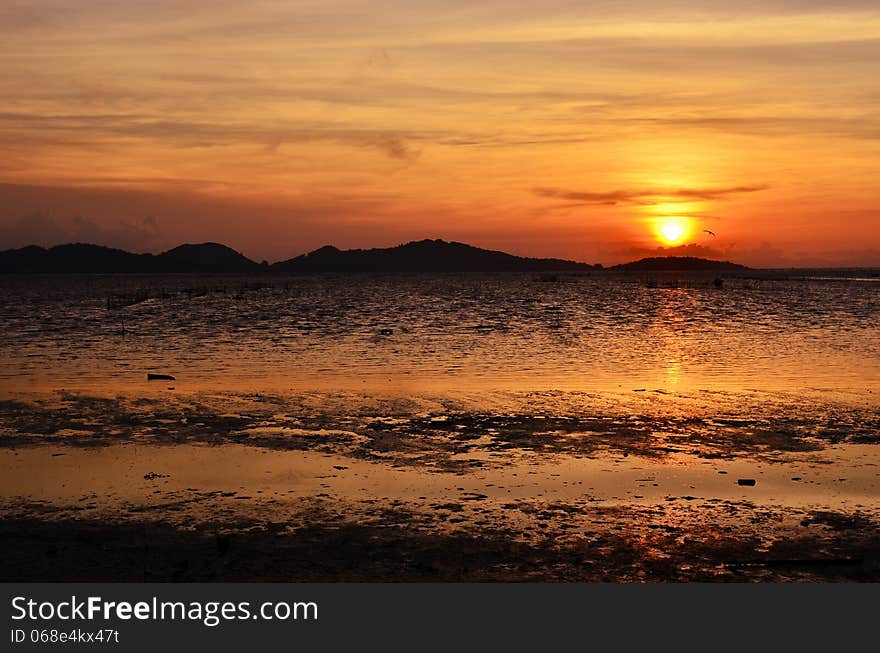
x,y
417,256
206,258
423,256
678,264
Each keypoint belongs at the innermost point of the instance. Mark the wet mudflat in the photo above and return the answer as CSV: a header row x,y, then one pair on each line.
x,y
555,486
439,427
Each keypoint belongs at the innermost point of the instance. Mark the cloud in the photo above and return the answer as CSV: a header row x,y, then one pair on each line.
x,y
699,251
396,148
276,229
763,255
285,136
138,234
53,128
35,228
645,195
863,126
851,257
42,229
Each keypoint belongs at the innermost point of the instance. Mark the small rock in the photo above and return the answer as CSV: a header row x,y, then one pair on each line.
x,y
746,481
159,377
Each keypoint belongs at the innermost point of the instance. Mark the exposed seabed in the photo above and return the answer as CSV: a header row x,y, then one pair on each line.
x,y
532,486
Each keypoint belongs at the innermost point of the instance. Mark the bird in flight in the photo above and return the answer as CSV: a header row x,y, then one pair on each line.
x,y
711,233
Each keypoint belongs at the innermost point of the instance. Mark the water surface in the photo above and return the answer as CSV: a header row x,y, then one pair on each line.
x,y
451,332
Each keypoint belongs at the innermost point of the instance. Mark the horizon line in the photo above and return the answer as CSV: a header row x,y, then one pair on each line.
x,y
366,249
266,263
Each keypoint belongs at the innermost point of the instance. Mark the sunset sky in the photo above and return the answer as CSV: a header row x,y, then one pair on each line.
x,y
597,131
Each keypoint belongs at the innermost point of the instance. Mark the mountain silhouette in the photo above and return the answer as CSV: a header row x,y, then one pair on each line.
x,y
205,258
75,257
417,256
678,264
422,256
97,259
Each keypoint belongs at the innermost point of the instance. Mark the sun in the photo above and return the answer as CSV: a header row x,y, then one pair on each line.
x,y
672,230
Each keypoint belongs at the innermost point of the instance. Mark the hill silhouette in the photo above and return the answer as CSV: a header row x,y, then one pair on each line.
x,y
417,256
97,259
206,258
422,256
75,257
678,264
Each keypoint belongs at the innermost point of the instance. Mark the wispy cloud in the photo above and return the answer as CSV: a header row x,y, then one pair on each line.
x,y
418,116
645,195
41,228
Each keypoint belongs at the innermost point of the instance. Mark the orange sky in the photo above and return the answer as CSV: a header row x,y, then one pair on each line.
x,y
551,129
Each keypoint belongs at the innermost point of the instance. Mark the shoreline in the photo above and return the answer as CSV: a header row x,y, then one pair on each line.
x,y
554,487
824,547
